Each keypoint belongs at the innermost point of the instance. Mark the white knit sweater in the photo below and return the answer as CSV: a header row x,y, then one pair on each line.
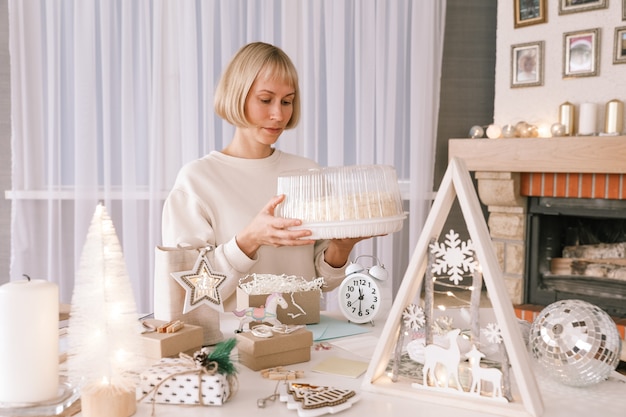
x,y
215,197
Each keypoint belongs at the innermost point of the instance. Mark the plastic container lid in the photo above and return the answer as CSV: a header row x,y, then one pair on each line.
x,y
341,202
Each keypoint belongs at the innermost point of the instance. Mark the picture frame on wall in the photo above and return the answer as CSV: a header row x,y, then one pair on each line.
x,y
529,12
527,64
619,54
575,6
581,53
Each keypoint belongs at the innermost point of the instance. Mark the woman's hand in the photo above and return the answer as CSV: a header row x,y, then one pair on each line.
x,y
266,229
338,250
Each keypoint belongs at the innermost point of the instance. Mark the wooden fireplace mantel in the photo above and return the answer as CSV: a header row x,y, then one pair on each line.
x,y
500,165
573,154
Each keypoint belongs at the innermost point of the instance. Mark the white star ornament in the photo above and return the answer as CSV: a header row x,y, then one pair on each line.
x,y
201,286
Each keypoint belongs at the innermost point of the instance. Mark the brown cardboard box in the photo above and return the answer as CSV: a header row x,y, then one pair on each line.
x,y
281,349
162,345
309,301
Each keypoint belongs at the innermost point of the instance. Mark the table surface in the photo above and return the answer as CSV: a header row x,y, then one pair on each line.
x,y
607,398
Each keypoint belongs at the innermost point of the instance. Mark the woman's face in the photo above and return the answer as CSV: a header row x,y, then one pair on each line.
x,y
268,108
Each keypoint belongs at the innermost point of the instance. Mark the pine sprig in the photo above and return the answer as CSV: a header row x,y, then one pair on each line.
x,y
220,355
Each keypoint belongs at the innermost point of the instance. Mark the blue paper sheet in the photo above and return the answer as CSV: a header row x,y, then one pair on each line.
x,y
330,328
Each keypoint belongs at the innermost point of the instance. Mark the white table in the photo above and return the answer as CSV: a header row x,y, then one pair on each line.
x,y
607,399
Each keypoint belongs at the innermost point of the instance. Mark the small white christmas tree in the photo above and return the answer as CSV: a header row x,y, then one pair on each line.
x,y
103,338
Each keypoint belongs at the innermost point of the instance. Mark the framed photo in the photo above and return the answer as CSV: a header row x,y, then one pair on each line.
x,y
581,53
619,56
575,6
527,64
529,12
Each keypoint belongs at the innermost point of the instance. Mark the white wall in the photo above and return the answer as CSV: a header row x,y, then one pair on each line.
x,y
539,105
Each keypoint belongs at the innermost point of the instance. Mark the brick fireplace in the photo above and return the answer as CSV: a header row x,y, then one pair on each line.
x,y
509,170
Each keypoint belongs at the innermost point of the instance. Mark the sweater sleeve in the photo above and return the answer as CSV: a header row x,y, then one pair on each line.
x,y
332,276
186,221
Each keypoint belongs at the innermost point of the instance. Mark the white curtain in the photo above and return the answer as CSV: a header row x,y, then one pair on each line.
x,y
111,97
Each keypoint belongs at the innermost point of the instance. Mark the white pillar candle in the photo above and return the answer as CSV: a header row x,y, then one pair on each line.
x,y
587,119
614,117
566,118
29,345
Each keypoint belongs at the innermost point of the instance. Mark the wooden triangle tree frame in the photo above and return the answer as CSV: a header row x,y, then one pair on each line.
x,y
458,183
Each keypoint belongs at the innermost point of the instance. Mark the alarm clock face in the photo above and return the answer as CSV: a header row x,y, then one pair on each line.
x,y
359,298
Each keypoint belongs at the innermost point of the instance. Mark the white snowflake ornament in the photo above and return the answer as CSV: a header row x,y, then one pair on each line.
x,y
493,333
454,258
443,325
413,317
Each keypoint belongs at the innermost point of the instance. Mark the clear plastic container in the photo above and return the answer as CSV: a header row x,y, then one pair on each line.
x,y
342,202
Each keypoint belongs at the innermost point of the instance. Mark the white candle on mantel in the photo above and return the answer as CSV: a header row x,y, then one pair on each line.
x,y
29,345
587,119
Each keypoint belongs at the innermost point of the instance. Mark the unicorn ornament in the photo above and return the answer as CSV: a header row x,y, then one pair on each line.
x,y
266,313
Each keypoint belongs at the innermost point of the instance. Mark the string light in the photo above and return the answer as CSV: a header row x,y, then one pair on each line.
x,y
451,294
456,287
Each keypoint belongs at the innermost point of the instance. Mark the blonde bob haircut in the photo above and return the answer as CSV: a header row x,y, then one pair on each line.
x,y
252,61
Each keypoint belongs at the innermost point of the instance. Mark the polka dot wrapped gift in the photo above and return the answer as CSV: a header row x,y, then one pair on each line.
x,y
180,381
205,379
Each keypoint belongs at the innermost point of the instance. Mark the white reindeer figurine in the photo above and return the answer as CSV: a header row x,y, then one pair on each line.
x,y
480,374
446,357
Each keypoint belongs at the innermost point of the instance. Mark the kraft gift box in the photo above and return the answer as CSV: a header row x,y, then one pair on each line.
x,y
303,307
281,349
163,345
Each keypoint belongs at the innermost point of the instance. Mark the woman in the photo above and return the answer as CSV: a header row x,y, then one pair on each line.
x,y
227,198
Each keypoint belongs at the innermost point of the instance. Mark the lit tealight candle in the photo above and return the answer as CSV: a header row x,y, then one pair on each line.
x,y
544,130
29,346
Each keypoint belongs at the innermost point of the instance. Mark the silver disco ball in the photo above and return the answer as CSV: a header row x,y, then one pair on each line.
x,y
576,342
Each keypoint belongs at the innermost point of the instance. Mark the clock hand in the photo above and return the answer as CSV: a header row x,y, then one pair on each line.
x,y
360,299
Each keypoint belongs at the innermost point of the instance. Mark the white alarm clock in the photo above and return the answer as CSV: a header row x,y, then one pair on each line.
x,y
360,298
